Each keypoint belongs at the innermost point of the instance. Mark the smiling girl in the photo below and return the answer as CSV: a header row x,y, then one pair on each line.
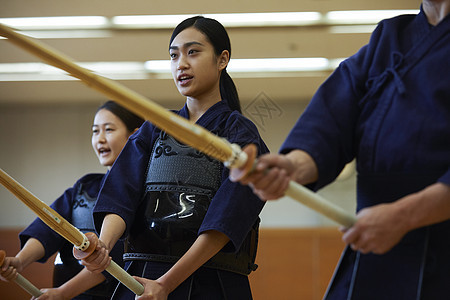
x,y
190,232
110,131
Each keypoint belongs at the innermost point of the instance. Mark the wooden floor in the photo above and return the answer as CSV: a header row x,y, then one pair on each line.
x,y
293,264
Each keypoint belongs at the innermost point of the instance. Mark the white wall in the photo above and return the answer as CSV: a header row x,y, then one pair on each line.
x,y
47,148
274,126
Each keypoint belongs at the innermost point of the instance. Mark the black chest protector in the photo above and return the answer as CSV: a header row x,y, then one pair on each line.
x,y
180,185
82,211
66,265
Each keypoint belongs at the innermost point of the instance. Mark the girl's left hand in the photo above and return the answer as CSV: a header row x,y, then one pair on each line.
x,y
51,294
153,290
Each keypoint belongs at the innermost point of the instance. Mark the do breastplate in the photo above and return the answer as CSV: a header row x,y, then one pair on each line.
x,y
82,211
82,219
66,265
180,184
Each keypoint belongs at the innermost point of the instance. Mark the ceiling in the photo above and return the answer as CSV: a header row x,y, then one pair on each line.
x,y
141,45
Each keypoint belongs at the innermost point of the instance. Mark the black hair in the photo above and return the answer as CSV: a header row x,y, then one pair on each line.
x,y
218,36
130,120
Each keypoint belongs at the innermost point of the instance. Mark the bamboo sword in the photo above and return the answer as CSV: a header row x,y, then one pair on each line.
x,y
84,244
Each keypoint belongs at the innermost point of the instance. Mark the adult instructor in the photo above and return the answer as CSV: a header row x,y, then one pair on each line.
x,y
388,106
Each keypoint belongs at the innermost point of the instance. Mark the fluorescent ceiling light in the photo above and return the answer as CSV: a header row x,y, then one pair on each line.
x,y
151,21
228,20
99,67
44,72
157,66
334,63
278,65
364,16
22,68
338,29
57,23
267,19
66,34
256,65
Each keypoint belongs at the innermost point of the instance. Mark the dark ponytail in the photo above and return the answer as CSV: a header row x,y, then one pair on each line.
x,y
218,36
130,120
229,92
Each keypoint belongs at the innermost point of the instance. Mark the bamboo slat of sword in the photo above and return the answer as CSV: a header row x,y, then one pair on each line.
x,y
85,243
22,281
187,132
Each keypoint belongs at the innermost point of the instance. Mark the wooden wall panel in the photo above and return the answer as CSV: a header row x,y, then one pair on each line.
x,y
293,264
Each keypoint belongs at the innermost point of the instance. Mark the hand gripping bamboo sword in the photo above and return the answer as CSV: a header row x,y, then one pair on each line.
x,y
22,281
84,244
187,132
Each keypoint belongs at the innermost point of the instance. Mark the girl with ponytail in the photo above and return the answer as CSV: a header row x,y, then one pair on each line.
x,y
190,233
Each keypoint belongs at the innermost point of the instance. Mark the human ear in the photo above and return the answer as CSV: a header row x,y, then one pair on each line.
x,y
223,60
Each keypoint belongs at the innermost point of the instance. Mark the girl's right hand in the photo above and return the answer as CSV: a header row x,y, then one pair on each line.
x,y
99,260
270,177
10,268
272,174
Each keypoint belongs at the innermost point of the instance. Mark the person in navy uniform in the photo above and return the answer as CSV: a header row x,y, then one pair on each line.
x,y
388,106
190,233
110,131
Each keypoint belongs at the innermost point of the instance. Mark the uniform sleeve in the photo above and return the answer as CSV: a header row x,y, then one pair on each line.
x,y
51,240
122,190
235,208
445,179
327,130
